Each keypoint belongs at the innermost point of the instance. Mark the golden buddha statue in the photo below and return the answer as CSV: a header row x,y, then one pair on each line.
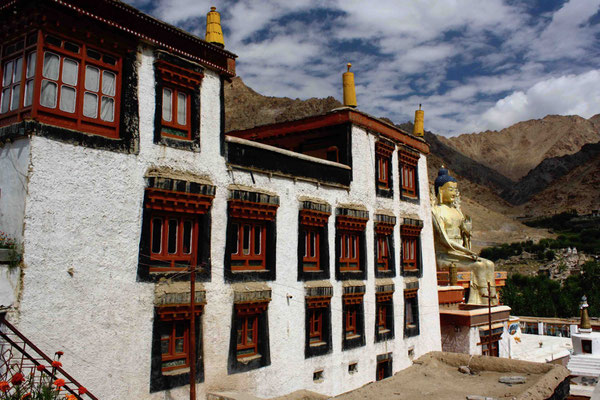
x,y
453,241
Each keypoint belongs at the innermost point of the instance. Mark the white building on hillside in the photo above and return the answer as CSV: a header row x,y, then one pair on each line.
x,y
311,240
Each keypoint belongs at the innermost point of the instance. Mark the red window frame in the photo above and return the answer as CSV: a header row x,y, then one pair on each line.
x,y
381,317
252,257
88,58
381,369
408,180
350,323
411,320
383,252
180,81
247,336
311,260
173,128
383,164
349,245
409,253
315,325
171,340
180,258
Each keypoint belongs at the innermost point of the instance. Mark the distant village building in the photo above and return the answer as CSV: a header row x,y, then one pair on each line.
x,y
309,243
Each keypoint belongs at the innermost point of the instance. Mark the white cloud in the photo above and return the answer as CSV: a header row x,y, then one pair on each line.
x,y
565,95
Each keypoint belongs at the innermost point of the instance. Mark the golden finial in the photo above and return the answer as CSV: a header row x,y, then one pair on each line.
x,y
584,325
419,118
214,33
349,90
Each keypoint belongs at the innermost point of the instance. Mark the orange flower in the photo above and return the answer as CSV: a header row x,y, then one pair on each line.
x,y
56,364
4,386
82,390
40,367
26,396
17,379
59,383
71,397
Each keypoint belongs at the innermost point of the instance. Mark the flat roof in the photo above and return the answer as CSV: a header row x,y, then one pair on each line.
x,y
334,117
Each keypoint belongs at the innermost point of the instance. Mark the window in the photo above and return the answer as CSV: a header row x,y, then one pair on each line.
x,y
586,346
247,336
349,251
384,319
178,101
250,245
250,248
410,232
408,174
174,343
175,231
350,244
383,253
411,313
18,76
172,348
383,159
353,318
316,326
384,367
487,349
249,347
318,321
313,257
79,86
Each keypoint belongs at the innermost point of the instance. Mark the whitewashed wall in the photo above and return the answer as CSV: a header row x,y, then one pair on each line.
x,y
82,233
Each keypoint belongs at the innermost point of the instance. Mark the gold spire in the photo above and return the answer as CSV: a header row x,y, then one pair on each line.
x,y
214,34
349,90
419,118
585,324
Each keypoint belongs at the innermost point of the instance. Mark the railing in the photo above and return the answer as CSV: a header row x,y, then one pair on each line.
x,y
25,368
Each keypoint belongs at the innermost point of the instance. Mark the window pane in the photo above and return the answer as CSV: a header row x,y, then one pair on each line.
x,y
90,105
8,71
50,69
93,54
108,83
18,72
181,108
250,331
246,237
172,240
305,237
353,246
48,95
313,244
69,71
187,237
178,345
67,99
92,78
16,93
28,93
257,239
156,235
239,327
347,240
166,104
72,47
107,109
5,100
164,344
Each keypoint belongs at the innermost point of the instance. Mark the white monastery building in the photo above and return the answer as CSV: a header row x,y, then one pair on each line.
x,y
309,242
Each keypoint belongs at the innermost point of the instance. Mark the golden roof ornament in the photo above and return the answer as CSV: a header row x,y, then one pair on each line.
x,y
214,33
419,119
349,89
585,326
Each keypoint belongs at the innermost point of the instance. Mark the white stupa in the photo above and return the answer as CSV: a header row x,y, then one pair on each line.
x,y
584,363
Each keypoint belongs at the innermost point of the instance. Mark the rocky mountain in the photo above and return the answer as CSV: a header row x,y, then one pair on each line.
x,y
244,108
516,150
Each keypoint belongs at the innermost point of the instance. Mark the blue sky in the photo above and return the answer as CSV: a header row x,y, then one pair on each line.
x,y
474,65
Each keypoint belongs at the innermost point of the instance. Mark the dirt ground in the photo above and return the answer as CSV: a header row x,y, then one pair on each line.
x,y
435,376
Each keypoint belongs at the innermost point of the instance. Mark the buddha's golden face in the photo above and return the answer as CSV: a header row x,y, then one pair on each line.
x,y
448,192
